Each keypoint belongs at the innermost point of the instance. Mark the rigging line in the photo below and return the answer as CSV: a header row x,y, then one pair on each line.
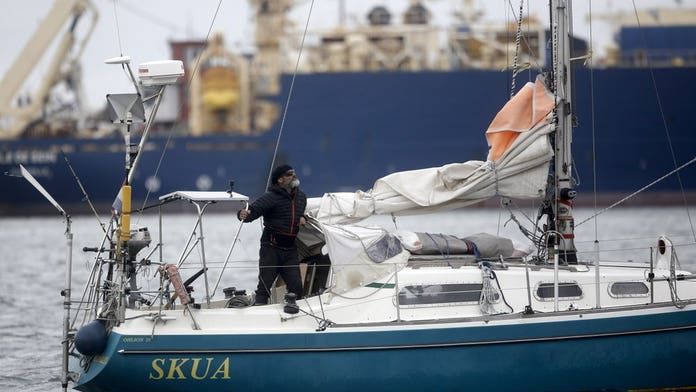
x,y
181,105
626,239
287,101
517,49
507,31
664,121
533,55
639,191
595,252
151,17
118,30
120,45
592,125
82,188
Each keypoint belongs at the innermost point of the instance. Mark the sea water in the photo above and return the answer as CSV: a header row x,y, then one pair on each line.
x,y
34,250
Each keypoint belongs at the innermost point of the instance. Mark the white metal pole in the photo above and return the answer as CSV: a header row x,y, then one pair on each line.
x,y
146,133
229,253
596,251
66,304
556,252
201,240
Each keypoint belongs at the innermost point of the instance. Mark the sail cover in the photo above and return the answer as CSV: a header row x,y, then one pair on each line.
x,y
360,255
516,167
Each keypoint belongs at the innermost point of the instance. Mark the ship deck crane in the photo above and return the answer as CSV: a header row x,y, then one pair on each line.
x,y
18,112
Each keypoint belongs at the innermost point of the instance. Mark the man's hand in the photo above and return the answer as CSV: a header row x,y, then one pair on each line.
x,y
302,221
243,214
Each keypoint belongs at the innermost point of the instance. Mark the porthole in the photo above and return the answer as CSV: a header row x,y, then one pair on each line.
x,y
566,291
628,289
440,294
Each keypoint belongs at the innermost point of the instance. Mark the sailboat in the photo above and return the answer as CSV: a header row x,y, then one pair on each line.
x,y
394,309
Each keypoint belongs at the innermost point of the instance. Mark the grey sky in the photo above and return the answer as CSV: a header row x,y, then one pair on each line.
x,y
146,26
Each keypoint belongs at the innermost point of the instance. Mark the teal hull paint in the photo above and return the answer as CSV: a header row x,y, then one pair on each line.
x,y
575,355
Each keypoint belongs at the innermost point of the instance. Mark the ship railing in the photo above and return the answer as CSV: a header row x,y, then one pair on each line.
x,y
406,294
243,273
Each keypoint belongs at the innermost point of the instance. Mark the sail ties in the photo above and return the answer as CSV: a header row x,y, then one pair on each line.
x,y
351,208
492,167
587,57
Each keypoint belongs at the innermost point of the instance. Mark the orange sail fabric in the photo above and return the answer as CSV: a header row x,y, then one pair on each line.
x,y
529,106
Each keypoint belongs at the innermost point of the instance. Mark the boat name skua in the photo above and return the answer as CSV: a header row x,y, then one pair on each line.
x,y
191,367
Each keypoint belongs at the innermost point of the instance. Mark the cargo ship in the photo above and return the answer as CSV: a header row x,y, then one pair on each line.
x,y
388,95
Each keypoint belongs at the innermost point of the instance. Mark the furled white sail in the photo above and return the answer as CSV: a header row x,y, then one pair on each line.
x,y
516,167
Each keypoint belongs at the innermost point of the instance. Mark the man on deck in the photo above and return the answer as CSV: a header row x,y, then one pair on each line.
x,y
282,208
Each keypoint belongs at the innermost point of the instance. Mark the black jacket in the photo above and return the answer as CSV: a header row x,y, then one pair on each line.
x,y
281,212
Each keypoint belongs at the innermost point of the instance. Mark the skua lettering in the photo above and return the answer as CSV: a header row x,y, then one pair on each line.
x,y
184,368
194,370
176,368
157,364
223,370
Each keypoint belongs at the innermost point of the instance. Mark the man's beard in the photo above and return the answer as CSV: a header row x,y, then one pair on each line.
x,y
295,183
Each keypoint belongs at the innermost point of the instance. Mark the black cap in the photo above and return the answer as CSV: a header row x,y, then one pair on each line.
x,y
278,172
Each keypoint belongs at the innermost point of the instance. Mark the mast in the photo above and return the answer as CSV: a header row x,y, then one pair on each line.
x,y
564,192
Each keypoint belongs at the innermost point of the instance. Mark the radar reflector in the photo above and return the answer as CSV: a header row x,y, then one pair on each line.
x,y
121,104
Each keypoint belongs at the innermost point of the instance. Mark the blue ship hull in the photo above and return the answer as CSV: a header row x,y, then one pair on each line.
x,y
574,352
343,131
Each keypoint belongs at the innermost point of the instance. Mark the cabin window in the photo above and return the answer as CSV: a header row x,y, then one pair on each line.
x,y
566,290
628,289
429,294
